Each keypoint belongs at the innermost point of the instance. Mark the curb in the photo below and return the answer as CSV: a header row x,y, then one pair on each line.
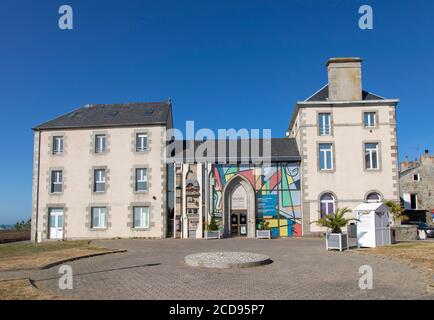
x,y
56,263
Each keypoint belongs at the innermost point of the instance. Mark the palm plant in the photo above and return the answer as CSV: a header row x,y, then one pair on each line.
x,y
397,211
335,222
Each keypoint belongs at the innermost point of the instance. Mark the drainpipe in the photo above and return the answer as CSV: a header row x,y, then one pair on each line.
x,y
37,186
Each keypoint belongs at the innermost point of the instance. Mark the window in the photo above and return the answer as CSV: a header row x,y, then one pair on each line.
x,y
141,142
416,177
56,181
326,156
141,217
371,156
141,179
57,145
413,201
324,123
99,215
99,180
369,119
327,204
100,143
373,197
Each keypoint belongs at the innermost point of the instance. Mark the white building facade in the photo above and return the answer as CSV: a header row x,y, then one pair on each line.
x,y
106,171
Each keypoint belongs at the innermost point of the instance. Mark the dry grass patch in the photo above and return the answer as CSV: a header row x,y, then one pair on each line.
x,y
22,290
18,256
420,254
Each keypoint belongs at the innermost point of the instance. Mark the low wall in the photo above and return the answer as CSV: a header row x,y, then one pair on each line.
x,y
14,235
404,233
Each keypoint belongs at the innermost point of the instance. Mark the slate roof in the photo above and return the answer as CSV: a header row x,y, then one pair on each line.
x,y
281,149
323,95
108,115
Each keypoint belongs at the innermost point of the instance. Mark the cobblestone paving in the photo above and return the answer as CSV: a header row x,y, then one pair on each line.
x,y
301,269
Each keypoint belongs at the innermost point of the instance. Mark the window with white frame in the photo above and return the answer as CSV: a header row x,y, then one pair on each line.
x,y
369,119
416,177
141,179
326,156
57,145
99,180
56,181
99,216
371,156
327,204
100,143
141,142
141,217
324,123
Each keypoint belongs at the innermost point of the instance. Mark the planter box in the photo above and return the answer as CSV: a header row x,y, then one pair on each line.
x,y
338,241
212,234
263,234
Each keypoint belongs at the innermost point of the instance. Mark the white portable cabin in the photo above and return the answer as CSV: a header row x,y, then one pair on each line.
x,y
373,225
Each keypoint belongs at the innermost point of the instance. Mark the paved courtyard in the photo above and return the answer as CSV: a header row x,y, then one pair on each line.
x,y
301,269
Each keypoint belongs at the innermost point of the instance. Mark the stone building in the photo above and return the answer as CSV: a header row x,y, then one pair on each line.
x,y
346,137
105,171
99,172
417,183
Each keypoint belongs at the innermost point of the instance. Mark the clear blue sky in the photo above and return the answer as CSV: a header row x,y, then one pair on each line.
x,y
225,63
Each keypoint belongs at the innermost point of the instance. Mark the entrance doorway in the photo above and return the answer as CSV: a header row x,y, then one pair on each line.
x,y
56,223
239,223
239,208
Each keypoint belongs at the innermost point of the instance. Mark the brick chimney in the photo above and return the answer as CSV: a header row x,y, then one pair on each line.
x,y
345,79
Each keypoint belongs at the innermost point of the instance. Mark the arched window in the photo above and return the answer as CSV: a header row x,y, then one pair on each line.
x,y
327,204
373,197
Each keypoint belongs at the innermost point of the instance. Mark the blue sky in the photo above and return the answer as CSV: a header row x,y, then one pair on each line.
x,y
225,63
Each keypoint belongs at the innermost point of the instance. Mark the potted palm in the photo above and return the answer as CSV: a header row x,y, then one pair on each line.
x,y
263,230
212,229
335,238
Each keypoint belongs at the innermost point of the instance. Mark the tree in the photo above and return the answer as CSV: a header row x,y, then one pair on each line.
x,y
335,222
22,225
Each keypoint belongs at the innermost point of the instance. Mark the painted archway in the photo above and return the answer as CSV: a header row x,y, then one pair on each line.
x,y
232,185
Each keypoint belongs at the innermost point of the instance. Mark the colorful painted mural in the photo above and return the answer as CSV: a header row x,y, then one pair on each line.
x,y
277,189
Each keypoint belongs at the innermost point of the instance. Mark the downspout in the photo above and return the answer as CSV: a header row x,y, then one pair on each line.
x,y
37,186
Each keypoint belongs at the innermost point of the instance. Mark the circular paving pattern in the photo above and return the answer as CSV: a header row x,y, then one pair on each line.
x,y
226,259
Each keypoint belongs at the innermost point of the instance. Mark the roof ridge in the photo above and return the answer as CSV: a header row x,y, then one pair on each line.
x,y
127,103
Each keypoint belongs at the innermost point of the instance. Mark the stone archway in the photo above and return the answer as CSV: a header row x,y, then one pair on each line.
x,y
230,186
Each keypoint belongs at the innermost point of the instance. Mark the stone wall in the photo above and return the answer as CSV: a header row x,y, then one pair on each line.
x,y
404,233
